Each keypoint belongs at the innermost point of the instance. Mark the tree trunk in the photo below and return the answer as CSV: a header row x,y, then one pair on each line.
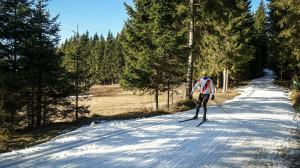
x,y
168,95
28,113
32,105
13,109
281,73
2,93
156,98
248,70
39,103
172,95
45,110
190,60
77,73
218,79
259,63
77,81
225,80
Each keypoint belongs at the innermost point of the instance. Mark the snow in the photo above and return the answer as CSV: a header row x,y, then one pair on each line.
x,y
83,96
248,131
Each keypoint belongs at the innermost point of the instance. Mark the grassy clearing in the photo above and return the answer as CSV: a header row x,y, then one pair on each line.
x,y
107,103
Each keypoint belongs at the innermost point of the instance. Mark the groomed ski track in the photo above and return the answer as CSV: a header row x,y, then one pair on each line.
x,y
249,133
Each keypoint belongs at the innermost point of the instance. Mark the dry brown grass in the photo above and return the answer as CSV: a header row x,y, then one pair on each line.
x,y
112,100
295,97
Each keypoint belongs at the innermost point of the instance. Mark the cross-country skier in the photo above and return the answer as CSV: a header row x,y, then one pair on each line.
x,y
204,83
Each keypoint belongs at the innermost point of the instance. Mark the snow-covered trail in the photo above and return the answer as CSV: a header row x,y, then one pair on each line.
x,y
248,131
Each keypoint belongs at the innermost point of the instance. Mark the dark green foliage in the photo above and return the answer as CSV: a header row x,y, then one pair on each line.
x,y
225,37
155,57
14,31
100,61
109,59
150,54
119,57
284,38
260,42
34,86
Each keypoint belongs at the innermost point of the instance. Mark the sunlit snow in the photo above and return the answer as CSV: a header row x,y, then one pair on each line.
x,y
249,131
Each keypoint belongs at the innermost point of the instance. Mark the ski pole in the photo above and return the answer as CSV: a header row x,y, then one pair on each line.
x,y
196,102
222,108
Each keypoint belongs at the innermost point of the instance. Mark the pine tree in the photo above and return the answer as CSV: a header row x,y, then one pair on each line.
x,y
119,57
94,60
284,37
242,49
95,39
109,59
42,61
32,79
100,51
153,46
78,58
14,29
86,60
49,82
260,25
226,41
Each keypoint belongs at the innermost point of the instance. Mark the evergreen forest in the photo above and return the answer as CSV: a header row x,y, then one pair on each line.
x,y
163,44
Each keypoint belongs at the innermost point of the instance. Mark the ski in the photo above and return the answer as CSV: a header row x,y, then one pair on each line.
x,y
201,122
188,119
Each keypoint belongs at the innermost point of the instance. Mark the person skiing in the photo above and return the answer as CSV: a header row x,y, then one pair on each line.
x,y
204,83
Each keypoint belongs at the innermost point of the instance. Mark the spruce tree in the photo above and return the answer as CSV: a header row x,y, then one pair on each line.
x,y
50,83
153,47
260,42
225,43
43,62
119,57
78,61
95,39
14,29
86,61
94,60
284,37
109,59
100,51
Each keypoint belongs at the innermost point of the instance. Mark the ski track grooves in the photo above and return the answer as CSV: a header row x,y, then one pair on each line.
x,y
163,142
44,154
54,149
142,157
177,147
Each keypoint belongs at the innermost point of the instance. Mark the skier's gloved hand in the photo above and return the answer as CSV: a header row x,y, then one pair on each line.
x,y
213,97
191,95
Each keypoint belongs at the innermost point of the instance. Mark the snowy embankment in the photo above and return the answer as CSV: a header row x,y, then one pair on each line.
x,y
248,131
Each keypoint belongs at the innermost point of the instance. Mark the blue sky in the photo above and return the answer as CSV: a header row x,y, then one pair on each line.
x,y
91,15
94,16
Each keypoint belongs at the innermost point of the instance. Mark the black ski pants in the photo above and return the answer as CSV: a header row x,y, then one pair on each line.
x,y
203,98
